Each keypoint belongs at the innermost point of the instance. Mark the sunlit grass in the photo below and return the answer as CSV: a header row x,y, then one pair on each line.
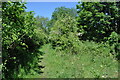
x,y
89,63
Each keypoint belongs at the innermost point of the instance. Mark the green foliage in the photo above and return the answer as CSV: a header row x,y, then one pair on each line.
x,y
97,20
60,13
19,44
42,22
41,30
25,39
113,41
63,34
92,61
0,39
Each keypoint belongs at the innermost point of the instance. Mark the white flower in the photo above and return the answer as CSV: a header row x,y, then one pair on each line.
x,y
103,76
79,34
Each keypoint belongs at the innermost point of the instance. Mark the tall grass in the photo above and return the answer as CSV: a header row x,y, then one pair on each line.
x,y
92,61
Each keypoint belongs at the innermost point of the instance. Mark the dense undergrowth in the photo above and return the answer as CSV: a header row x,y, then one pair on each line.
x,y
81,43
93,61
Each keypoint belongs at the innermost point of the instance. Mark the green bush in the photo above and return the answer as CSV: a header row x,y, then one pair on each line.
x,y
63,34
19,43
113,41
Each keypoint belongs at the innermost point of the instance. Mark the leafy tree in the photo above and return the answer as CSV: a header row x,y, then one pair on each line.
x,y
63,30
41,21
42,29
63,34
62,12
97,20
19,44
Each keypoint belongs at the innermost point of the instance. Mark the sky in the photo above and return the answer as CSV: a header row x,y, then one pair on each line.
x,y
46,8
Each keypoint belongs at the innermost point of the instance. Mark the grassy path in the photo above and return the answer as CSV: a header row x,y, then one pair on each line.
x,y
58,64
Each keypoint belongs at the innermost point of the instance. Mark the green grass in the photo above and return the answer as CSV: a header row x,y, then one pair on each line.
x,y
93,61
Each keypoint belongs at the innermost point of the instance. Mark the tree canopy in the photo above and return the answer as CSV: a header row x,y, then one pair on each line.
x,y
98,20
